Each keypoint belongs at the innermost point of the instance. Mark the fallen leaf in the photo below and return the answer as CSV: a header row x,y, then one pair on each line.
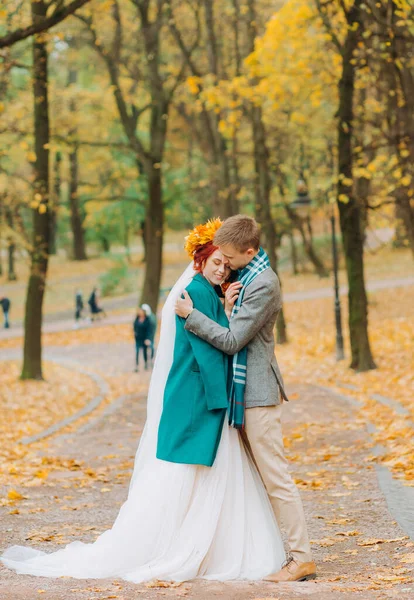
x,y
373,541
407,558
330,557
157,583
15,495
339,521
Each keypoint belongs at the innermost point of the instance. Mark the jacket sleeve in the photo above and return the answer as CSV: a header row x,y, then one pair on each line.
x,y
211,361
257,306
147,331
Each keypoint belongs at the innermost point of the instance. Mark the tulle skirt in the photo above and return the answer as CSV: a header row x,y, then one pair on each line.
x,y
179,522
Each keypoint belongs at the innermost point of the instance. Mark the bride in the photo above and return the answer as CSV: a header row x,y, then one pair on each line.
x,y
196,505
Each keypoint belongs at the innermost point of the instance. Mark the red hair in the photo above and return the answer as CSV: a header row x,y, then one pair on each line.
x,y
202,254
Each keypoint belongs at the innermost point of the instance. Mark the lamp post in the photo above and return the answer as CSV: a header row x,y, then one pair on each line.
x,y
301,205
302,202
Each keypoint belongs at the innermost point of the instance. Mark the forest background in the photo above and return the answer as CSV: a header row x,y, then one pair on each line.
x,y
121,121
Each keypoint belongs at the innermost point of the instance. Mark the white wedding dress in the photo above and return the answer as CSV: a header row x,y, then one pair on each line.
x,y
179,521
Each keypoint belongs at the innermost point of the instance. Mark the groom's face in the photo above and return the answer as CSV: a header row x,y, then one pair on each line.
x,y
236,259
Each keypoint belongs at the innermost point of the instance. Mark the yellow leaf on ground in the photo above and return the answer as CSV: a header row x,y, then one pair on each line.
x,y
156,583
373,541
407,558
14,495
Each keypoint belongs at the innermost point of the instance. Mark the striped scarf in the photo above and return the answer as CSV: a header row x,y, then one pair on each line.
x,y
238,383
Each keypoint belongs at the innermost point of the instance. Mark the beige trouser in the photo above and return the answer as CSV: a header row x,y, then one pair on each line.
x,y
263,430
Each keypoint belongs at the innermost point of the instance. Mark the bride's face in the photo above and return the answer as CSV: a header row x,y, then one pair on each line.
x,y
214,269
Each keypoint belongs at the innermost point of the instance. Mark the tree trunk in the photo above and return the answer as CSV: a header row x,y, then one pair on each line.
x,y
11,248
153,232
79,249
126,241
349,212
293,254
400,236
106,244
281,331
11,274
1,231
225,192
148,157
32,354
307,241
263,180
406,214
320,268
402,114
54,208
263,211
144,241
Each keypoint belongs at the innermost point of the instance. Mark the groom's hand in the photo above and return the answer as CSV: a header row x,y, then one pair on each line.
x,y
184,306
232,293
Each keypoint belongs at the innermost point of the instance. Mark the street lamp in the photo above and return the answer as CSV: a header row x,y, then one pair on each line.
x,y
301,206
302,202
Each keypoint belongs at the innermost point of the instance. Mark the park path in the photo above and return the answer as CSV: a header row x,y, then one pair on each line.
x,y
63,321
357,543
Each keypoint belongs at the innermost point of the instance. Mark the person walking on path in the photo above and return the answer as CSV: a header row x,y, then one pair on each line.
x,y
152,330
78,307
5,304
142,329
258,385
94,305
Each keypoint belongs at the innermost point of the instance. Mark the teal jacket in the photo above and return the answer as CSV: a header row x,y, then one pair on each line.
x,y
195,396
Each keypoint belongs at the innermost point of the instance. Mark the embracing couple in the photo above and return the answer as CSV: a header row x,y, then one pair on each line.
x,y
210,486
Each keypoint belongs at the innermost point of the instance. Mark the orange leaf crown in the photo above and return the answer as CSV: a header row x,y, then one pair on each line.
x,y
201,235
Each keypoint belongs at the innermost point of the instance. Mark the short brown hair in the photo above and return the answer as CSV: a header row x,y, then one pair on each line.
x,y
240,231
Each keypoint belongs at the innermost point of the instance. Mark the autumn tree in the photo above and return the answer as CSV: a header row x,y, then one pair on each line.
x,y
262,181
78,233
223,43
394,22
32,353
135,60
348,205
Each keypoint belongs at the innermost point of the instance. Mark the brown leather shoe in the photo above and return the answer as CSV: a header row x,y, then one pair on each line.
x,y
294,571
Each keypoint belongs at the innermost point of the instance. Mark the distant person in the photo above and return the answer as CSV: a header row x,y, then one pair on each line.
x,y
153,328
94,306
5,304
78,307
142,337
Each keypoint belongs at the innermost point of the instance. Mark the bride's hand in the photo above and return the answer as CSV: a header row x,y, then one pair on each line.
x,y
232,293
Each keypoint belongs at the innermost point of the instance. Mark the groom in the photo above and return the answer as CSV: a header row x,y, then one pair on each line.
x,y
239,241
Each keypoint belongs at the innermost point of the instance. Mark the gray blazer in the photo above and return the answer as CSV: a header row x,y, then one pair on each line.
x,y
253,326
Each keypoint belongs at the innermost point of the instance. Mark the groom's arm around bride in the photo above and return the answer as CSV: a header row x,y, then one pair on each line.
x,y
252,326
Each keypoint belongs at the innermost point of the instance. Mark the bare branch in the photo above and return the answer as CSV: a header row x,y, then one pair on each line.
x,y
43,25
328,25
